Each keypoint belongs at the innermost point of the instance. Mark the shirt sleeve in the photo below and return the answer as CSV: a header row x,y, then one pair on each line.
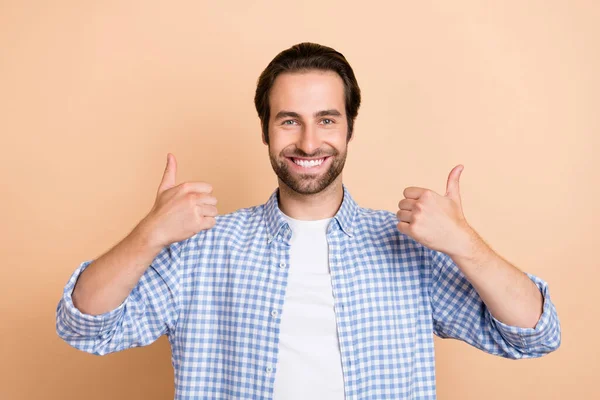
x,y
460,313
148,312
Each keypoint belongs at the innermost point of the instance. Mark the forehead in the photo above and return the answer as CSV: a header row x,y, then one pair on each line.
x,y
306,92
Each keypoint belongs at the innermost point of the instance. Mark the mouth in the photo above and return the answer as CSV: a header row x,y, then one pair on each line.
x,y
308,164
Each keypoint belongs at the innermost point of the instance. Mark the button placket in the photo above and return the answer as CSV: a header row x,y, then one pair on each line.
x,y
339,283
279,272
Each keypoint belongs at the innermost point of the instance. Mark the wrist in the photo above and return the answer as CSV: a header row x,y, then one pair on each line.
x,y
147,236
471,245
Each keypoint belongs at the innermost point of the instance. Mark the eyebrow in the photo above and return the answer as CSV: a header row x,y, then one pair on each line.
x,y
324,113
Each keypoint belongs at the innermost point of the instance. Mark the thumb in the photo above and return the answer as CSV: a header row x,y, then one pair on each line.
x,y
168,179
453,186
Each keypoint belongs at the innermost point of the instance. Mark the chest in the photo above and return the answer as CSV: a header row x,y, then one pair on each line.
x,y
375,289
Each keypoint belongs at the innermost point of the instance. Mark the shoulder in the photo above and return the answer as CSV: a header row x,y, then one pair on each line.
x,y
231,228
375,218
381,225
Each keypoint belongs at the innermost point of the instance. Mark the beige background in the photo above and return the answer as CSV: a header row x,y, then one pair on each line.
x,y
93,95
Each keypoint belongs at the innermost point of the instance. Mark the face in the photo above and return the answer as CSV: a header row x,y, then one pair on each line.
x,y
308,130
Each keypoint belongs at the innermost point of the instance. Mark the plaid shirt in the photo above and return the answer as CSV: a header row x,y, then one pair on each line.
x,y
218,296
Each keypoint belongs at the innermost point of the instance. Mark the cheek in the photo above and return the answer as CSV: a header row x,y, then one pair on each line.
x,y
276,147
339,139
281,138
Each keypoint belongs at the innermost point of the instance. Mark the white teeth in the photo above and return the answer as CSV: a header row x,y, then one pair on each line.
x,y
309,164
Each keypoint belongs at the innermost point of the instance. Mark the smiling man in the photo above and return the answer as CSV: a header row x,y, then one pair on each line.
x,y
308,296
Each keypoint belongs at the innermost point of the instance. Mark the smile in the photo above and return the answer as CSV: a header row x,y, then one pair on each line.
x,y
305,163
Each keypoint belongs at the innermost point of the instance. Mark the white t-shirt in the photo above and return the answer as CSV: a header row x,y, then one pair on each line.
x,y
309,364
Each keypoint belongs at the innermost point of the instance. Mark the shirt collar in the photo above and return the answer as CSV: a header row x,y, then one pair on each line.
x,y
275,220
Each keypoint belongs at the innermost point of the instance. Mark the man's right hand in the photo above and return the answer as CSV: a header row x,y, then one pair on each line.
x,y
180,211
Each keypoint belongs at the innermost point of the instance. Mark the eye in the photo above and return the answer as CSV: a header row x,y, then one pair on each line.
x,y
288,120
328,121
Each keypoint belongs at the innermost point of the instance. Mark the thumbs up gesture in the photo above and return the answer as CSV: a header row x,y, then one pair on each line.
x,y
436,221
180,211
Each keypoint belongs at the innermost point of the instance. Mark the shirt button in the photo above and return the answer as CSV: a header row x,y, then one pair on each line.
x,y
269,369
282,265
274,313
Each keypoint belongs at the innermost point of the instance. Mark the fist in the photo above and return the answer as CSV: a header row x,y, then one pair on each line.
x,y
434,220
180,211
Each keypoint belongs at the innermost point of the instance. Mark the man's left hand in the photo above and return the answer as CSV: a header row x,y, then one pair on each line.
x,y
437,221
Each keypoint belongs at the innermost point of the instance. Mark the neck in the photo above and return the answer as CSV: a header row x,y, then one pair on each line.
x,y
324,204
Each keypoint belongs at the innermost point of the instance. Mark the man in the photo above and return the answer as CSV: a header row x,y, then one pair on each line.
x,y
308,296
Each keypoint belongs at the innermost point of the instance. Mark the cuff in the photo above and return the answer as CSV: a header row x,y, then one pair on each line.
x,y
85,324
529,338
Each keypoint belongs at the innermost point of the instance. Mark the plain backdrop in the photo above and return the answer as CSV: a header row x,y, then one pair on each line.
x,y
93,94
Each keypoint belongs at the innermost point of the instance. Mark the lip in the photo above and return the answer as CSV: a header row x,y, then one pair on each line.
x,y
298,168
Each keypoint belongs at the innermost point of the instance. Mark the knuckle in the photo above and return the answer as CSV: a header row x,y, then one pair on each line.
x,y
209,222
191,199
204,211
197,214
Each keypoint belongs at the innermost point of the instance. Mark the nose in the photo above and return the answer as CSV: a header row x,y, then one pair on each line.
x,y
309,139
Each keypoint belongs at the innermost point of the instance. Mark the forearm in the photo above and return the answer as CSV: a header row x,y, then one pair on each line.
x,y
509,294
109,279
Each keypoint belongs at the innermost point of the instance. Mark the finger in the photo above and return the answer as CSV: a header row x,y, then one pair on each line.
x,y
195,187
404,227
207,210
453,184
405,216
203,198
407,204
208,222
169,176
413,192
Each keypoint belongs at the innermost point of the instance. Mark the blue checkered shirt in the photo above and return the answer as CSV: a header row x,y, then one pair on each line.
x,y
214,296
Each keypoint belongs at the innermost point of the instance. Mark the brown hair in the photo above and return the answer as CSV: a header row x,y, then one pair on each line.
x,y
303,57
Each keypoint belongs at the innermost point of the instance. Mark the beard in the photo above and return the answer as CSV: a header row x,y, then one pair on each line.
x,y
308,183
